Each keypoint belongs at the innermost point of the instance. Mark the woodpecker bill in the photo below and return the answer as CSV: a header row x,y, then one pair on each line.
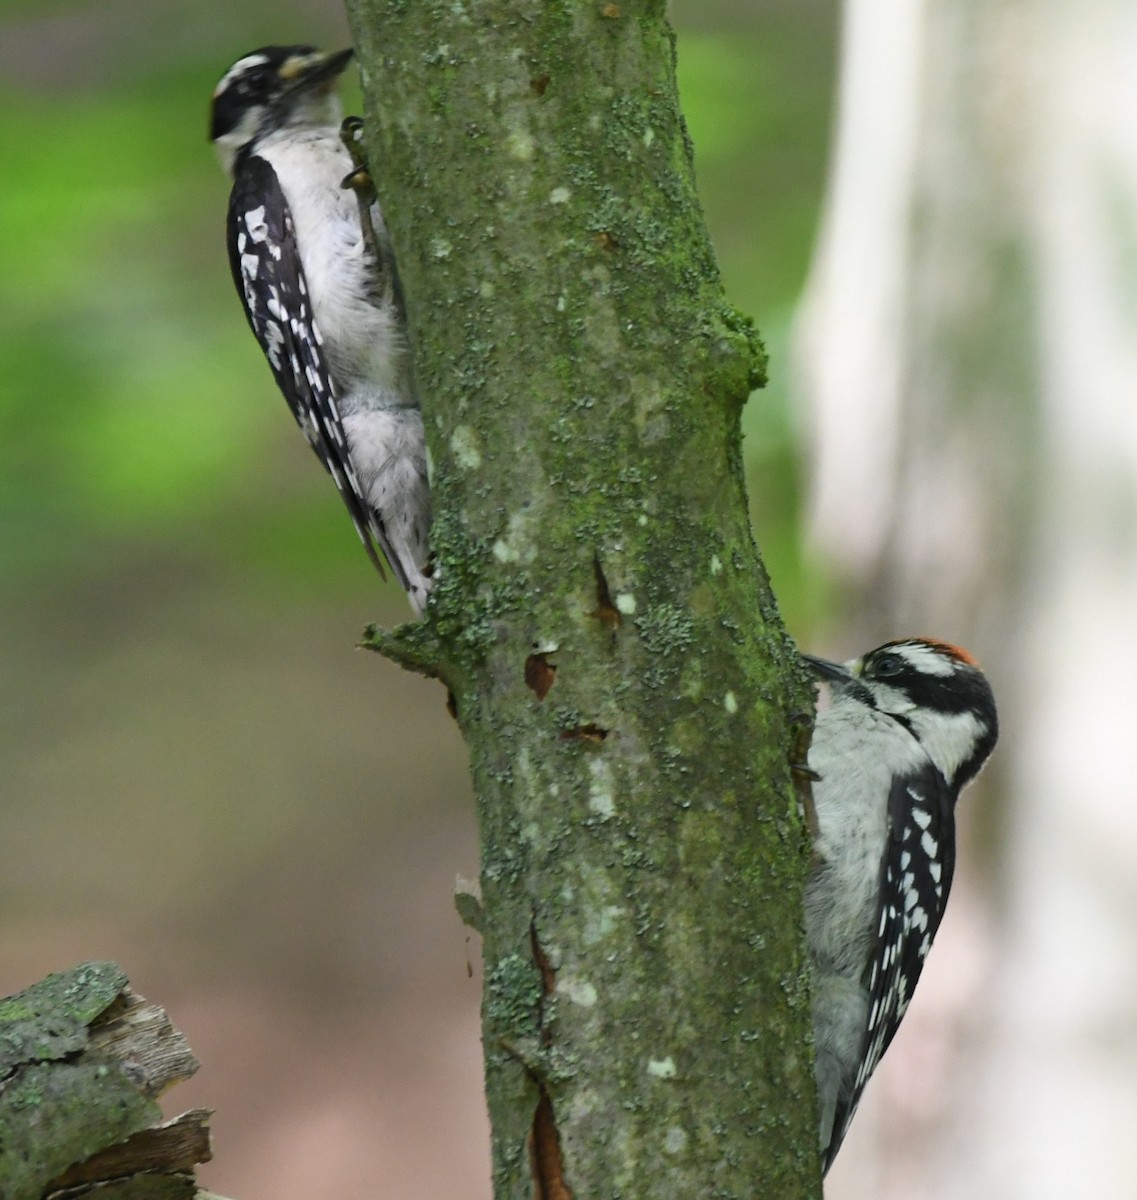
x,y
908,726
315,272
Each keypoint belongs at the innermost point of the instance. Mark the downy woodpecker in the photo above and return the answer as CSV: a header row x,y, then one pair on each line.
x,y
908,726
321,293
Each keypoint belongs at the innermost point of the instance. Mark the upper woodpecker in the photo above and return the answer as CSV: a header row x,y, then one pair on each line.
x,y
315,272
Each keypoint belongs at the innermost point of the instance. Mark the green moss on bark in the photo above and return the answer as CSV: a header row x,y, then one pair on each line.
x,y
60,1101
50,1019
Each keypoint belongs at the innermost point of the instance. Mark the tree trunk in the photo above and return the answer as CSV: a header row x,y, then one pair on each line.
x,y
600,613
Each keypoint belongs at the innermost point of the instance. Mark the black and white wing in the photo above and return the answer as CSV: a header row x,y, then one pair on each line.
x,y
916,873
269,276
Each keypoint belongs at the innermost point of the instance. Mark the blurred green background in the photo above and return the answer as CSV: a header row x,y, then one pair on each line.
x,y
200,776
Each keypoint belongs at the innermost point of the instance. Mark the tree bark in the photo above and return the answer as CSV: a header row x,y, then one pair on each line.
x,y
600,614
82,1061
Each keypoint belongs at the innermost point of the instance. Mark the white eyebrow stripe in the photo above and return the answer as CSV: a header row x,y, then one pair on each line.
x,y
926,659
239,68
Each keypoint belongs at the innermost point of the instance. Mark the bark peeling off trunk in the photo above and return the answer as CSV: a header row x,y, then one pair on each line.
x,y
600,613
82,1058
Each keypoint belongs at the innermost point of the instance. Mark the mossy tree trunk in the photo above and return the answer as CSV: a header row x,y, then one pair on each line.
x,y
601,615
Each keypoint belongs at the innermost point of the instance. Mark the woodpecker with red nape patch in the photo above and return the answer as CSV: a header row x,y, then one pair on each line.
x,y
908,726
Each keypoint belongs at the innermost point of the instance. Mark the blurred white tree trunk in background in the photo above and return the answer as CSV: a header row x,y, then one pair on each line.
x,y
968,351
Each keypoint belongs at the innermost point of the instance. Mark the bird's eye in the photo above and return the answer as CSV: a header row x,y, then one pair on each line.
x,y
888,664
254,81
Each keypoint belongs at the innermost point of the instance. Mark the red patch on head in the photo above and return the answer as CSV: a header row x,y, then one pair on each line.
x,y
949,651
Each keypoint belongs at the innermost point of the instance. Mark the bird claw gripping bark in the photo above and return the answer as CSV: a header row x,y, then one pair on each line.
x,y
359,180
803,775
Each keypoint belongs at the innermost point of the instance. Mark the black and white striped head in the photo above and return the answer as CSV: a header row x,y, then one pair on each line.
x,y
271,88
934,689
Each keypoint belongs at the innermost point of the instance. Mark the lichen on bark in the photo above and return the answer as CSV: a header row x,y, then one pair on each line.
x,y
600,613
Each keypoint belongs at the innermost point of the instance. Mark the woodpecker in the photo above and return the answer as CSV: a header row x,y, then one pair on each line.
x,y
314,268
908,726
